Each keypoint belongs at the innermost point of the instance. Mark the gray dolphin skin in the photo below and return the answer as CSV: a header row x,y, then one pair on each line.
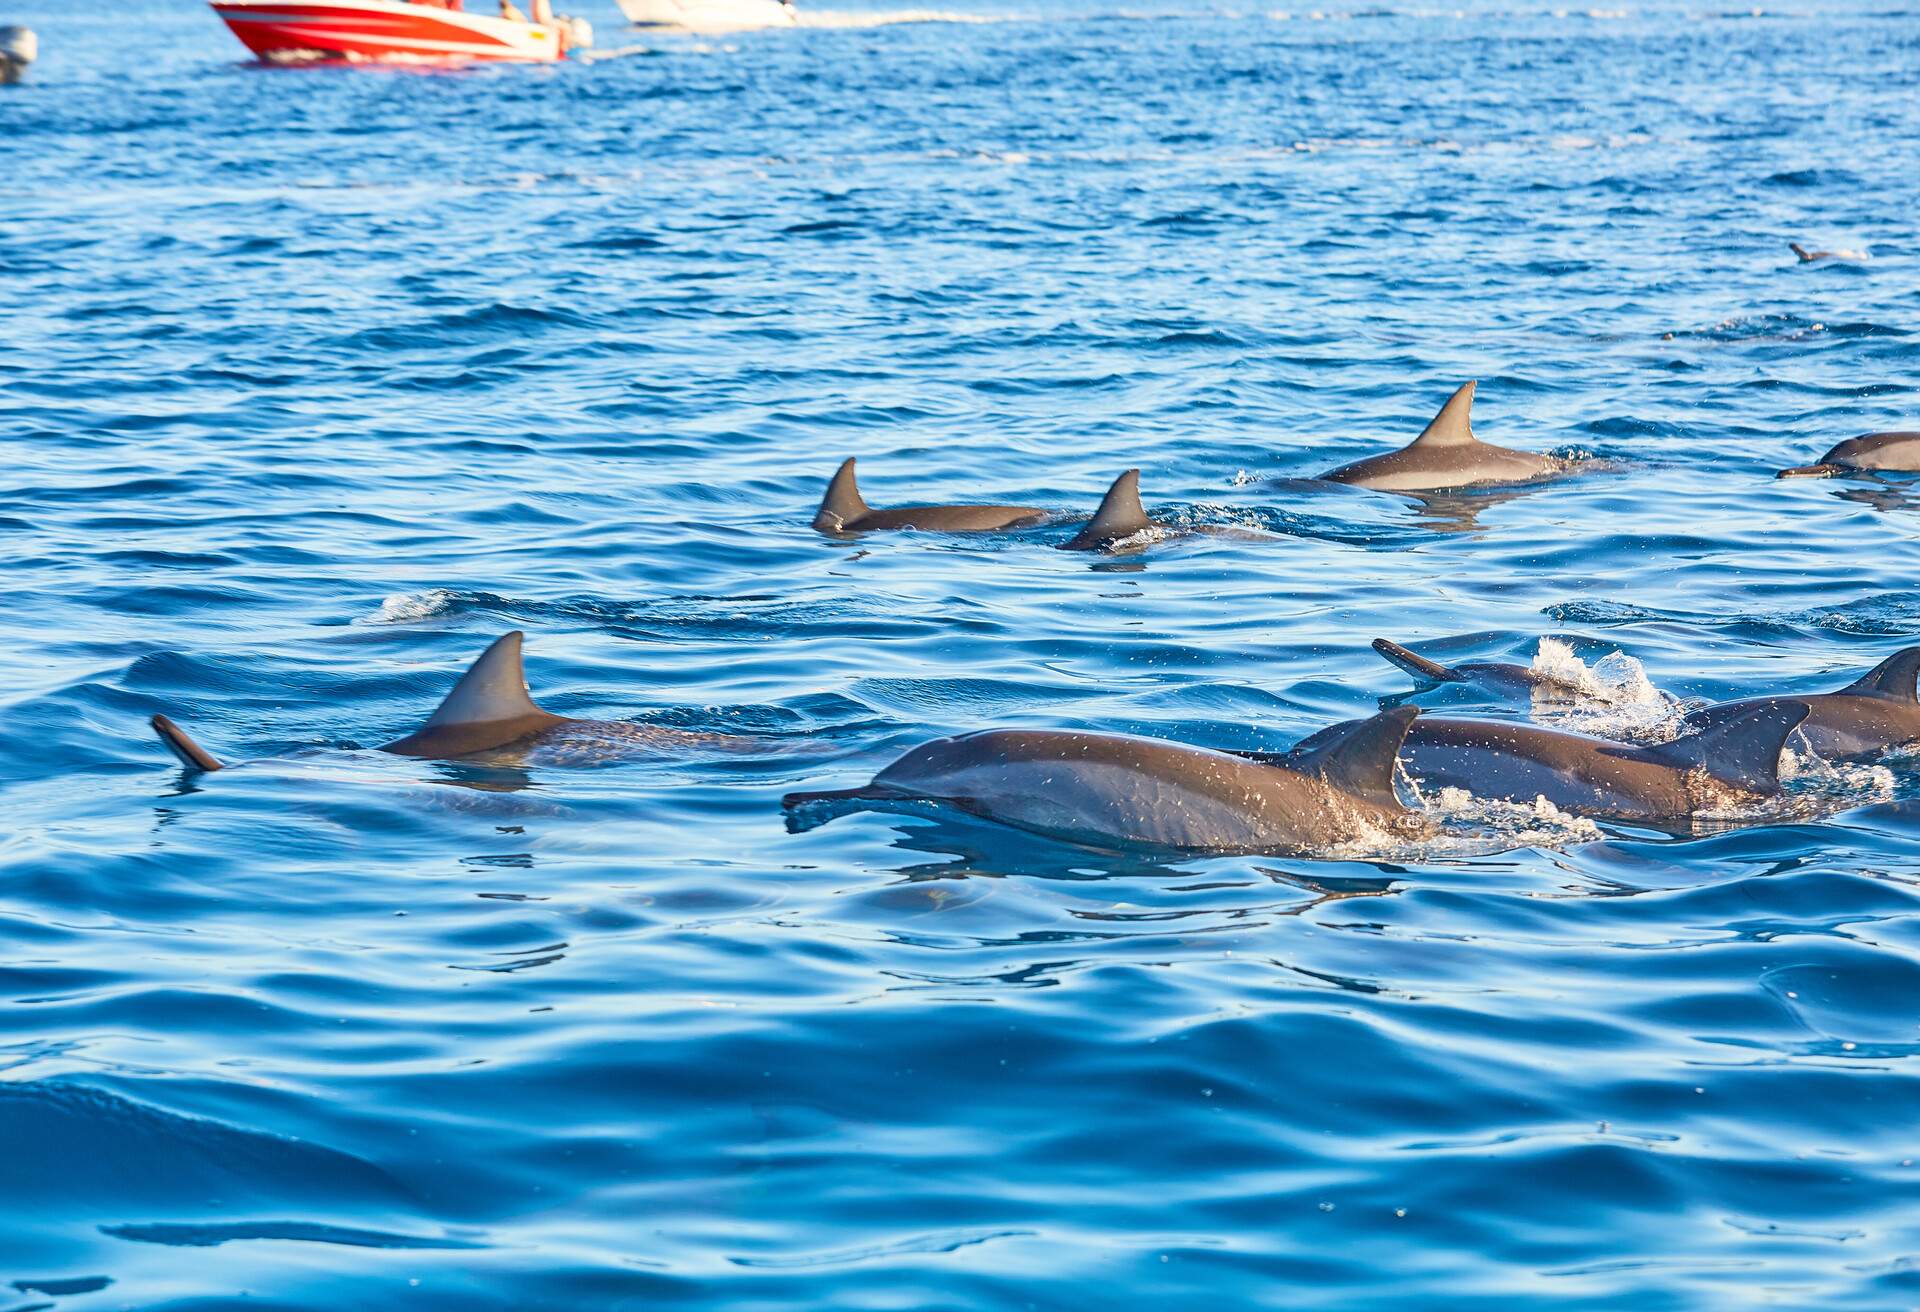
x,y
1874,714
489,709
1120,517
1445,455
1108,788
1497,676
844,510
1734,763
1894,452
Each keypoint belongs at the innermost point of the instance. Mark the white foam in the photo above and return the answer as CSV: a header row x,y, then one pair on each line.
x,y
1613,698
412,607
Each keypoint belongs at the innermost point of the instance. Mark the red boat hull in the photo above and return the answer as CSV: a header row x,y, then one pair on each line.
x,y
380,30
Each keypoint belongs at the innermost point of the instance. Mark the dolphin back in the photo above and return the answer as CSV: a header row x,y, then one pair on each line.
x,y
1358,756
1743,750
1891,680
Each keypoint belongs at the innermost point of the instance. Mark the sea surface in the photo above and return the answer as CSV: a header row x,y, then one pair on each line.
x,y
314,381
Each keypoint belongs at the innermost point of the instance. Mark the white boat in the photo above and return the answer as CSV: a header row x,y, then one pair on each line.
x,y
18,48
709,15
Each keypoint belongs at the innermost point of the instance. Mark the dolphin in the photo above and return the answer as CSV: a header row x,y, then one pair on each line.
x,y
1875,713
1809,257
1496,676
1733,763
1445,455
1108,788
1898,452
18,48
1120,517
844,510
489,709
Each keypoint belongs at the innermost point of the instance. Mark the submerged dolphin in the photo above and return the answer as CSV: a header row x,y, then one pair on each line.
x,y
1898,452
1497,676
844,510
1875,713
490,708
1809,257
1106,788
1734,763
1445,455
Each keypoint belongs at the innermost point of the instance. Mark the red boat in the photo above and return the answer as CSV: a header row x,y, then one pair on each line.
x,y
288,31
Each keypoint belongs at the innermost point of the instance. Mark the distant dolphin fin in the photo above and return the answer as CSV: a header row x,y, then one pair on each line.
x,y
1744,750
1453,426
1804,254
1418,666
495,688
1892,679
1120,516
843,503
1358,757
191,754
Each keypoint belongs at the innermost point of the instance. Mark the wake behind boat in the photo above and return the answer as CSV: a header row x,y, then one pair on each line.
x,y
710,15
288,31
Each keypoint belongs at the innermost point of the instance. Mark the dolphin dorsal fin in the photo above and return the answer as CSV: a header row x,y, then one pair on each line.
x,y
1891,680
843,503
1453,426
1120,515
1743,750
1417,665
1358,757
494,689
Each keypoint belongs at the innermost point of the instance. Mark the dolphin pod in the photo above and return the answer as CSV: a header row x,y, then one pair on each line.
x,y
1108,788
490,709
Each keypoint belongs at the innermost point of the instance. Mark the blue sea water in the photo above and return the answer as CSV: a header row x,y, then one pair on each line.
x,y
313,381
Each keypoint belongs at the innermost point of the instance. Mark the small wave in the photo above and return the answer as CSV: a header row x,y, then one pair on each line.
x,y
184,1235
413,607
834,18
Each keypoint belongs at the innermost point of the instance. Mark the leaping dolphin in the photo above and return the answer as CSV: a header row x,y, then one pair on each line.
x,y
1895,452
1445,455
1874,714
491,708
1107,788
844,510
1732,764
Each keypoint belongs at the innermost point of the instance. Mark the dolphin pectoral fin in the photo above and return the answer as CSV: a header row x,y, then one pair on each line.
x,y
842,504
810,810
1418,666
1120,516
1453,426
1891,680
190,753
1358,757
1742,750
1811,471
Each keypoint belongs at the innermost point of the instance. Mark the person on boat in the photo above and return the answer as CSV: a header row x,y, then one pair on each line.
x,y
511,12
543,11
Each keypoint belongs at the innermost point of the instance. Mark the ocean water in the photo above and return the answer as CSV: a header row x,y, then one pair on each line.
x,y
314,381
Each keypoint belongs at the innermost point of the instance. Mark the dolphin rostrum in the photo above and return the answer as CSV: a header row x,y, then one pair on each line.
x,y
1875,713
491,708
844,510
1497,676
1896,452
1445,455
1734,763
1107,788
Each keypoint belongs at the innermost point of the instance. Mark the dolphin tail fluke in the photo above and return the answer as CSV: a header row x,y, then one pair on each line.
x,y
1809,471
1743,750
190,753
1417,665
1358,757
1453,426
1891,680
843,503
1120,516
